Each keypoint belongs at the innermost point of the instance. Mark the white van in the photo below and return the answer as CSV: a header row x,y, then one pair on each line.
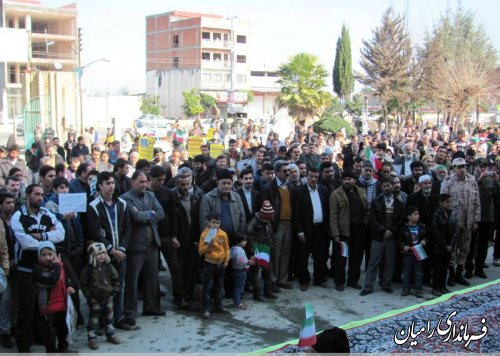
x,y
153,125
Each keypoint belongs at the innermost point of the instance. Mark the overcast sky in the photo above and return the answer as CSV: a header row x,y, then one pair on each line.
x,y
115,29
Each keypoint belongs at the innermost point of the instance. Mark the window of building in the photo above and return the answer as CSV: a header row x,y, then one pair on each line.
x,y
241,59
217,78
226,56
217,36
176,62
272,74
205,56
217,57
228,78
205,35
257,74
207,77
241,78
12,74
176,41
241,39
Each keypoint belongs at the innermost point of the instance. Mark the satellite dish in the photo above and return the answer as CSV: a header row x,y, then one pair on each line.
x,y
58,66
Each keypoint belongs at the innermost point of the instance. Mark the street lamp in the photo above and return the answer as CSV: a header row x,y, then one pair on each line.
x,y
80,71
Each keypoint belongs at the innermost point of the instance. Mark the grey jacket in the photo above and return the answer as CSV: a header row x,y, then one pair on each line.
x,y
211,202
141,219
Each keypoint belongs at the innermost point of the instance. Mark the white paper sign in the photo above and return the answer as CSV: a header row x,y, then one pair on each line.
x,y
71,318
72,203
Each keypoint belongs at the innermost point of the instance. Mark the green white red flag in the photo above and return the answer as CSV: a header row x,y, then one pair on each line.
x,y
308,331
262,254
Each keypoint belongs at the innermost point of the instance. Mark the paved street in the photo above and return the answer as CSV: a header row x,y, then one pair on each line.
x,y
261,325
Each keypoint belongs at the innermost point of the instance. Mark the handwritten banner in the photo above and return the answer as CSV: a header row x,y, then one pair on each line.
x,y
146,147
194,143
216,149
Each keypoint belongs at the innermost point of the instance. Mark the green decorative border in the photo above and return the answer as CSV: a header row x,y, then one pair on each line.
x,y
355,324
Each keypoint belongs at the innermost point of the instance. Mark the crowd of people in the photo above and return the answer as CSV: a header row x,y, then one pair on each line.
x,y
419,206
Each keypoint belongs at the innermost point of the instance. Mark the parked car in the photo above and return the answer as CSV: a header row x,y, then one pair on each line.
x,y
153,125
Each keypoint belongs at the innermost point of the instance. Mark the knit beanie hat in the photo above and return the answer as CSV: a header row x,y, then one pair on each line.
x,y
46,244
267,211
94,249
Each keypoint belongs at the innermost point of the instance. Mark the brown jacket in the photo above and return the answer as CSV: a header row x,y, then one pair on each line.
x,y
339,211
4,251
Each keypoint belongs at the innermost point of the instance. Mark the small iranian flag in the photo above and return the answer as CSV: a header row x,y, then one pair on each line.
x,y
308,331
262,253
419,252
370,156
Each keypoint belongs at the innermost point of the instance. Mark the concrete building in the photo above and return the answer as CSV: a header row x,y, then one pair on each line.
x,y
43,87
186,50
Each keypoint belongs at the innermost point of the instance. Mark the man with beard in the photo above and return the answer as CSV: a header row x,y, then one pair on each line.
x,y
409,183
302,170
386,219
440,158
402,163
31,225
350,151
426,203
348,210
330,177
357,168
396,190
441,173
200,170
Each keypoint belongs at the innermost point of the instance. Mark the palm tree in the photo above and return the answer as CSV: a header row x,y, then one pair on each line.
x,y
302,81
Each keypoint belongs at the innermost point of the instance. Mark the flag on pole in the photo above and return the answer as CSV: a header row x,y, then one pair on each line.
x,y
370,156
262,253
308,331
419,252
344,249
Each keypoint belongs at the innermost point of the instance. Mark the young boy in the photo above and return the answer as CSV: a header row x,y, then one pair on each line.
x,y
50,278
411,235
444,234
259,232
99,284
240,264
214,246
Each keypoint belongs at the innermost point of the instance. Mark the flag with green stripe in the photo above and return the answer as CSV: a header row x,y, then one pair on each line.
x,y
308,331
262,254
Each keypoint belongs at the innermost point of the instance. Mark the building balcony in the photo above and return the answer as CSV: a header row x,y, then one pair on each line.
x,y
206,64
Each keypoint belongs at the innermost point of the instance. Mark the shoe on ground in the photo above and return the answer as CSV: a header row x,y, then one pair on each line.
x,y
496,262
339,287
303,287
444,290
481,274
436,292
419,294
468,274
93,344
405,292
354,285
182,304
461,280
158,312
123,325
113,339
270,296
365,292
275,289
388,290
6,341
285,285
205,315
242,306
258,298
221,310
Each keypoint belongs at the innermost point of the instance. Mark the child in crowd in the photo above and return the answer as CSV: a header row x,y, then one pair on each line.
x,y
214,246
99,283
52,294
444,234
241,265
259,232
411,235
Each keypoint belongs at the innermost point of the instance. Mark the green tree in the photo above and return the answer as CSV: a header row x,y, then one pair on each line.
x,y
343,78
387,61
207,101
302,81
150,105
192,103
331,124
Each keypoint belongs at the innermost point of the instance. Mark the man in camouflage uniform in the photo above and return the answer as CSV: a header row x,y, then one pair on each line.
x,y
464,192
